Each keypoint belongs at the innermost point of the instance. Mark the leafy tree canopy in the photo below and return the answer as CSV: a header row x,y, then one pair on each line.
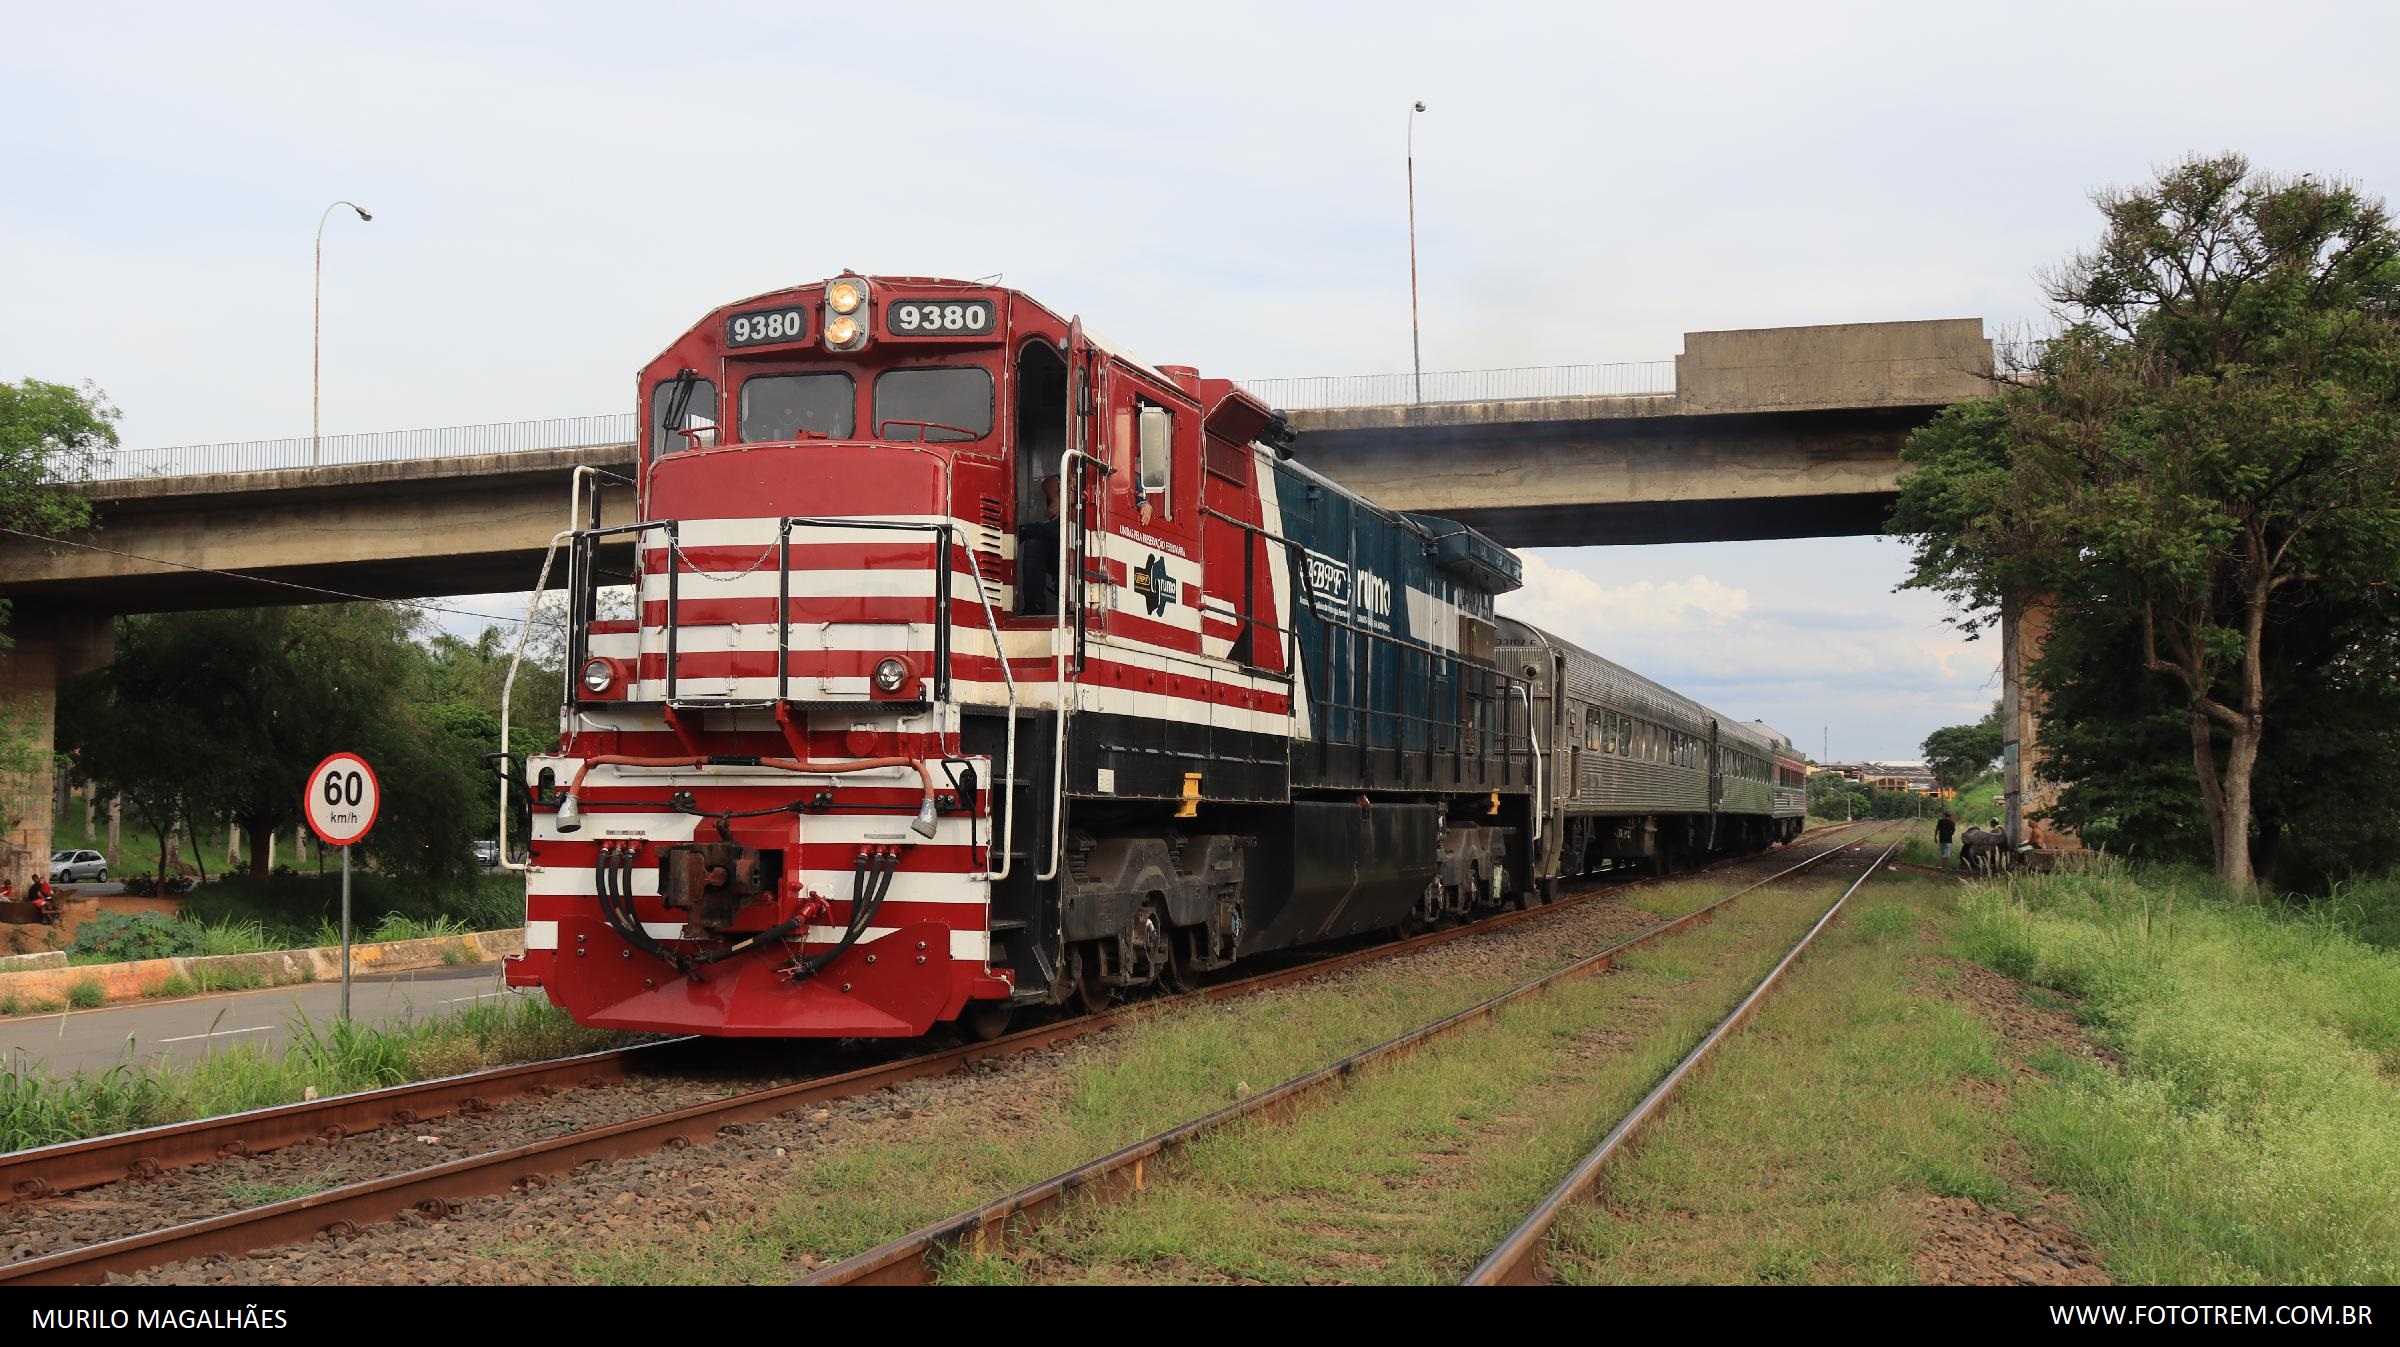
x,y
209,716
2212,441
1958,754
49,433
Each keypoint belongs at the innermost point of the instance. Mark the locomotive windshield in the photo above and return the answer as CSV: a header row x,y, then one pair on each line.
x,y
783,406
944,403
699,410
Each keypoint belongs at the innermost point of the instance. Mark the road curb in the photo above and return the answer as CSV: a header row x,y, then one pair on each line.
x,y
145,978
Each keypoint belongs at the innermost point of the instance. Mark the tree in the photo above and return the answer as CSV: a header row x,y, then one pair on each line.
x,y
134,745
463,711
2213,439
251,700
49,433
1958,754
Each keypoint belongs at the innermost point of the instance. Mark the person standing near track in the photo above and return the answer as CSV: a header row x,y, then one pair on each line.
x,y
1945,830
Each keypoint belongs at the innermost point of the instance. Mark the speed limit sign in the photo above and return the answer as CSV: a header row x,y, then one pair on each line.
x,y
341,799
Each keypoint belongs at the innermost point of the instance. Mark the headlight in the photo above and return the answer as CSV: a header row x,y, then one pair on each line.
x,y
598,676
845,296
890,674
841,332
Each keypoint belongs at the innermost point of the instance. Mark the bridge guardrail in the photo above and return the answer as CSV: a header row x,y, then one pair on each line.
x,y
386,446
1632,379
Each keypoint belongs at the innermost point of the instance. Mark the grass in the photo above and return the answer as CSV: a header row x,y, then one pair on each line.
x,y
2242,1134
398,927
1413,1171
87,994
253,1194
1157,1072
1799,1154
39,1109
2250,1136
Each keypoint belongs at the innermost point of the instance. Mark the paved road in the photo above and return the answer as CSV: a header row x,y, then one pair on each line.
x,y
94,1040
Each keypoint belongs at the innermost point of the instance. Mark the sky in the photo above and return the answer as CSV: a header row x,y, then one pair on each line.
x,y
558,190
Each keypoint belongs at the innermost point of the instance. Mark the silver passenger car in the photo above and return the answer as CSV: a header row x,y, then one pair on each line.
x,y
1635,771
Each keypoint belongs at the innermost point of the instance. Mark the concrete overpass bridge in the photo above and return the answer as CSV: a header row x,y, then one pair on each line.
x,y
1762,433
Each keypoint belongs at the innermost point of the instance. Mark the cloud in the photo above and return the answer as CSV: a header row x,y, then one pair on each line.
x,y
1568,601
1806,635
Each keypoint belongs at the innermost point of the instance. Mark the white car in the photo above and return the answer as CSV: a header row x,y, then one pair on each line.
x,y
73,867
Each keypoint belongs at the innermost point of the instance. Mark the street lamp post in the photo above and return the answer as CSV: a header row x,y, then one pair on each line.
x,y
316,327
1416,346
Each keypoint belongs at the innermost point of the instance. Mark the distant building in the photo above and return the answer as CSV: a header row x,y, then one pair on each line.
x,y
1909,776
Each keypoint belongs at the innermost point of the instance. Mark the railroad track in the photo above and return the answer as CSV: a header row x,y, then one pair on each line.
x,y
913,1259
1518,1259
437,1190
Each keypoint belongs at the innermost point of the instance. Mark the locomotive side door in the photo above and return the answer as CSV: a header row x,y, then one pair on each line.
x,y
1150,513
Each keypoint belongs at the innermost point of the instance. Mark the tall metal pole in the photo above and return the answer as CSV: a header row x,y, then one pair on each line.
x,y
316,327
1416,346
345,933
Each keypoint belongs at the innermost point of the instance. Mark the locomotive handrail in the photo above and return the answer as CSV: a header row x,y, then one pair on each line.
x,y
1533,730
1008,778
941,596
508,685
1058,661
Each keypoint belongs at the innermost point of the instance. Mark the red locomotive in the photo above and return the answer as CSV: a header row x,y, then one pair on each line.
x,y
969,663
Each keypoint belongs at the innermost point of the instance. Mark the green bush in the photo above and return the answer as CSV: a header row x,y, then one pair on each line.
x,y
232,937
87,994
2370,908
116,937
397,927
301,910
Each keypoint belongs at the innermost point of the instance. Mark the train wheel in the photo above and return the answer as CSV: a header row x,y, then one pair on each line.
x,y
986,1020
1175,975
1157,942
1090,995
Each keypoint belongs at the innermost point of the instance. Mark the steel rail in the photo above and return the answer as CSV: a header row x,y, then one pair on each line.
x,y
146,1153
1517,1259
46,1171
437,1190
910,1259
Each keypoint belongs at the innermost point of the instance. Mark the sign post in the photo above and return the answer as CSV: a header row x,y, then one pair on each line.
x,y
340,801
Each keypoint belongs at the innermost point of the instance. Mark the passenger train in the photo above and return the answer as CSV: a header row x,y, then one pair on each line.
x,y
952,661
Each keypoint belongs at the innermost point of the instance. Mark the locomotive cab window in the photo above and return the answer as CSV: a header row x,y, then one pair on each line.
x,y
1156,429
940,405
784,406
699,415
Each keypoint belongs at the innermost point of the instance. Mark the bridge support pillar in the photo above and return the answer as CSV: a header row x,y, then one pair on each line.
x,y
2024,626
47,645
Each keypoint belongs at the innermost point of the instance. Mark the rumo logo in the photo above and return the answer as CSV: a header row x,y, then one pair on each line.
x,y
1374,594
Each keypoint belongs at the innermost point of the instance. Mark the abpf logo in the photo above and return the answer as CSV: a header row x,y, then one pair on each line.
x,y
1329,580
